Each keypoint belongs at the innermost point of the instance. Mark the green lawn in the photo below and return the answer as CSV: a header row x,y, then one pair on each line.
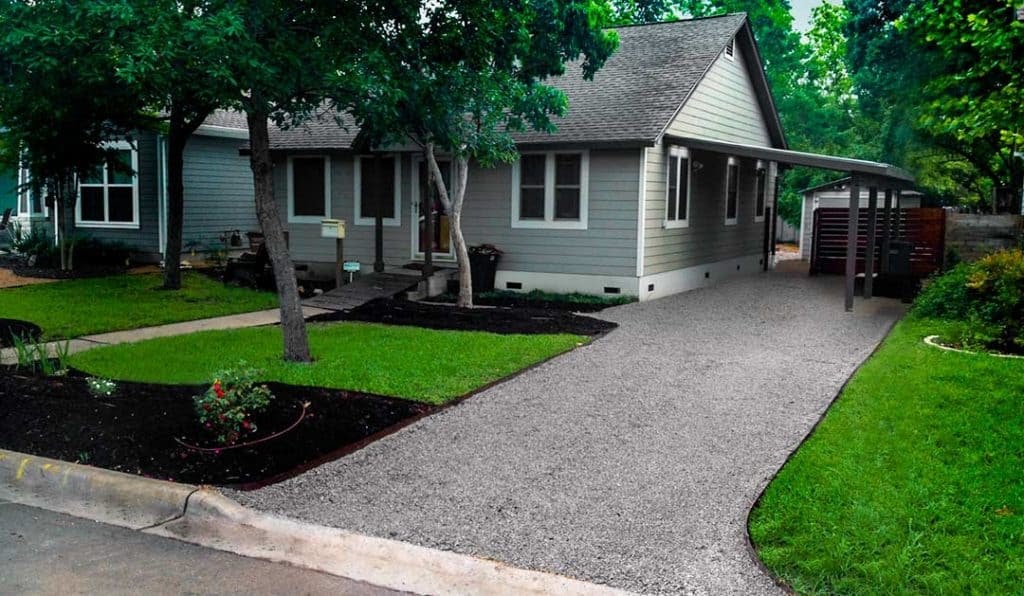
x,y
913,482
84,306
421,364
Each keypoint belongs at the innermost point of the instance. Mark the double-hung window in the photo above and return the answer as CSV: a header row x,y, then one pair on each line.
x,y
30,197
378,182
732,191
760,191
108,197
550,190
677,198
309,188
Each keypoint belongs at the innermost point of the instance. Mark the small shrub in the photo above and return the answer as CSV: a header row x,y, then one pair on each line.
x,y
987,295
37,245
35,356
100,387
226,408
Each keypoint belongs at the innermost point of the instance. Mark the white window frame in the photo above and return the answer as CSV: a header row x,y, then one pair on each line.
x,y
106,223
762,167
549,221
24,193
732,161
682,153
308,219
357,191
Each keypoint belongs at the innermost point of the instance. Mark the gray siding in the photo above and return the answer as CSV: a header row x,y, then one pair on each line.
x,y
145,239
218,191
707,239
724,106
607,247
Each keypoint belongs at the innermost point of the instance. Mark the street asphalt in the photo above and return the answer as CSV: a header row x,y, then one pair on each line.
x,y
631,462
42,552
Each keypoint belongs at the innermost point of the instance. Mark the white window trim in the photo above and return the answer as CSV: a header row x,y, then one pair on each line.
x,y
414,208
549,222
683,153
25,194
309,219
761,166
734,220
106,223
357,188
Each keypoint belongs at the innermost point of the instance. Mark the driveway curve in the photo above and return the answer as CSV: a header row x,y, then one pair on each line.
x,y
630,462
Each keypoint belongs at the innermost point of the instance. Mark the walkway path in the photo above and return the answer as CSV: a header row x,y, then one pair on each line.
x,y
365,288
88,342
631,462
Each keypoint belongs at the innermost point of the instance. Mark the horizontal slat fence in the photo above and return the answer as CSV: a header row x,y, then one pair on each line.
x,y
924,227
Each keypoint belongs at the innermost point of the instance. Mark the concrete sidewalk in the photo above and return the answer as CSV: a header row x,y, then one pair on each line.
x,y
239,321
632,462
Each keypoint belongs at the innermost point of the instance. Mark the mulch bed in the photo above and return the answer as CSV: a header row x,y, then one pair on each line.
x,y
393,311
11,328
509,301
19,265
137,430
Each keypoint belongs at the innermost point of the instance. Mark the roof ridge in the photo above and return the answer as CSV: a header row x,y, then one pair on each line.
x,y
680,20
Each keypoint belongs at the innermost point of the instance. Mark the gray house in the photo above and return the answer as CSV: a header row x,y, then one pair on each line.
x,y
116,207
633,194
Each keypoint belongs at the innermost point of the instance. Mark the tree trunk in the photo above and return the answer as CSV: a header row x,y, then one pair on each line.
x,y
293,324
453,205
64,204
176,140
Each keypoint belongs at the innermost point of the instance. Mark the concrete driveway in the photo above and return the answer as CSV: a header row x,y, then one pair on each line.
x,y
631,462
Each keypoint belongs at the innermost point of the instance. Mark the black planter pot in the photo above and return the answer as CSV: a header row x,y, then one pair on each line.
x,y
483,267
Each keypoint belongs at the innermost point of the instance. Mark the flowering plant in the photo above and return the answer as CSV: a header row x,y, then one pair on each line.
x,y
227,406
100,387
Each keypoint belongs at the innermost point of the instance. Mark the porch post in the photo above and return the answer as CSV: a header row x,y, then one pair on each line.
x,y
851,241
869,250
886,230
378,236
899,212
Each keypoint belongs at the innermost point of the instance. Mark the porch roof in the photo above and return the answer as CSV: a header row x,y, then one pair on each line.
x,y
881,174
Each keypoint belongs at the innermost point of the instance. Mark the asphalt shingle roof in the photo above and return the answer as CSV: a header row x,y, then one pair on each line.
x,y
632,98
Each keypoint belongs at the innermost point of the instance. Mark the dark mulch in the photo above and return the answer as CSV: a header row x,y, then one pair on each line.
x,y
393,311
19,265
11,328
508,301
137,429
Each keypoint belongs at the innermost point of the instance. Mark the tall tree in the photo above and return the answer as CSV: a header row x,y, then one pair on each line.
x,y
60,100
470,73
176,56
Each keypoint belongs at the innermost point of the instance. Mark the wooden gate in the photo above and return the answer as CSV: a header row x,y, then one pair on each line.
x,y
924,227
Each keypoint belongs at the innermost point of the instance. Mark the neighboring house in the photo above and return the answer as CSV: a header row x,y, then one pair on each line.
x,y
633,194
836,195
131,209
8,190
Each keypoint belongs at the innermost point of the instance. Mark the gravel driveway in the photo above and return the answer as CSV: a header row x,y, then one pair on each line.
x,y
630,462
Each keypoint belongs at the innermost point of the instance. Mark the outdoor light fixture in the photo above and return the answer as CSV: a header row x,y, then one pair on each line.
x,y
697,166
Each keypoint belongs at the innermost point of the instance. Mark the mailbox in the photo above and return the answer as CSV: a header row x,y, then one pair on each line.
x,y
332,228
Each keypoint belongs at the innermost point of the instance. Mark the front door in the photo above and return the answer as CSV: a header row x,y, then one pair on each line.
x,y
435,231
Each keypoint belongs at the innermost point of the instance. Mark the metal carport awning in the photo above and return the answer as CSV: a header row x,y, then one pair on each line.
x,y
871,174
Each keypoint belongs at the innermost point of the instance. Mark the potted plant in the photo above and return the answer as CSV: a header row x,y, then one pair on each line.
x,y
483,265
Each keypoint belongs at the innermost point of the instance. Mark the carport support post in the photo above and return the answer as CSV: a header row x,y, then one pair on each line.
x,y
869,250
851,241
886,230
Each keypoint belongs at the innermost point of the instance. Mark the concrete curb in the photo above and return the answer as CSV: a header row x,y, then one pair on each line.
x,y
94,493
205,517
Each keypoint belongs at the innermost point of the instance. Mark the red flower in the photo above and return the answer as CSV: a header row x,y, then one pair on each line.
x,y
246,425
217,389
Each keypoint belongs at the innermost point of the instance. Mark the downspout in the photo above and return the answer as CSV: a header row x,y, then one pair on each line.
x,y
641,217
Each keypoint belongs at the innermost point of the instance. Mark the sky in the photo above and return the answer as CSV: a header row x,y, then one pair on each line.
x,y
802,13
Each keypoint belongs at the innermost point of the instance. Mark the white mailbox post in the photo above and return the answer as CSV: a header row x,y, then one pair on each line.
x,y
335,228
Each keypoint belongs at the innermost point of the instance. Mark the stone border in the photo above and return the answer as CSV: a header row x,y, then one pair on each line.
x,y
933,341
203,516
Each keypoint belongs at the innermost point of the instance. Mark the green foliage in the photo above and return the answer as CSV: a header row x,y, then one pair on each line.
x,y
910,484
79,307
100,387
226,408
36,243
36,358
402,362
987,296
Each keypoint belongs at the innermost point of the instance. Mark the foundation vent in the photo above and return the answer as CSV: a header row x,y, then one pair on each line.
x,y
513,285
611,290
